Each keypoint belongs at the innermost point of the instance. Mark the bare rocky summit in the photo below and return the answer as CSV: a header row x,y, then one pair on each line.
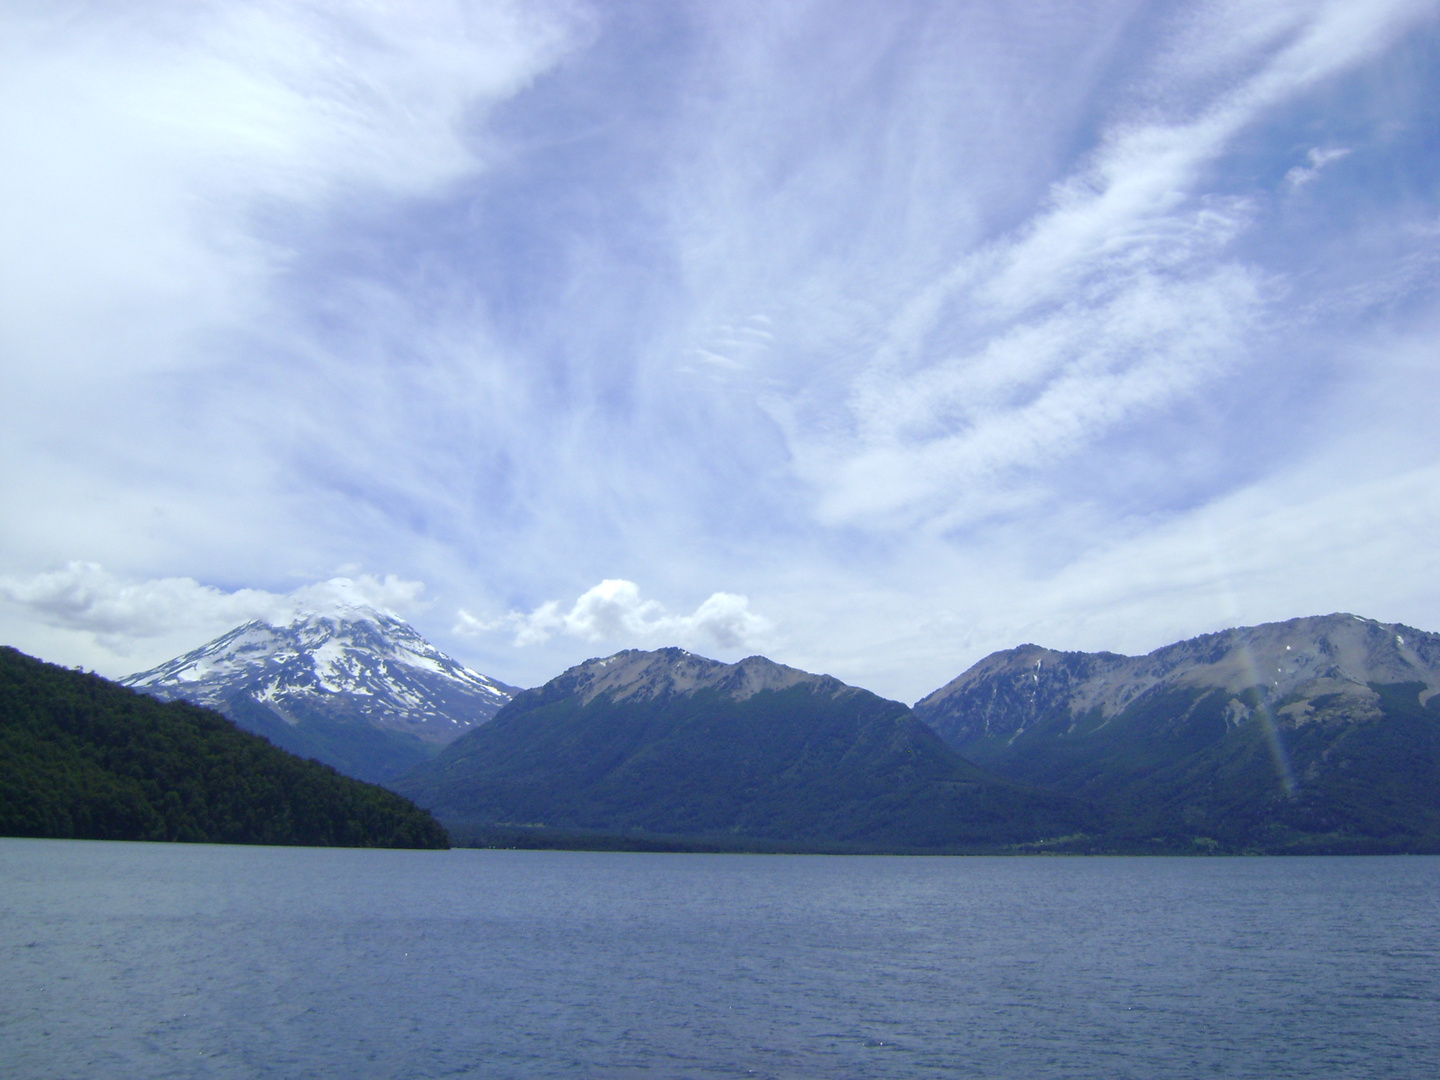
x,y
639,675
1316,669
1314,734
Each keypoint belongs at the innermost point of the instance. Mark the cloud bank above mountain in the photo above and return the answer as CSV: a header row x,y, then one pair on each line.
x,y
85,598
921,329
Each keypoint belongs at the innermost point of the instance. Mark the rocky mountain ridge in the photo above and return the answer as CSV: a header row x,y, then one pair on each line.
x,y
636,674
1318,734
1318,668
1315,734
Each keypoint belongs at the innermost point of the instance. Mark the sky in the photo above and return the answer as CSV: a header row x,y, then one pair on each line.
x,y
869,336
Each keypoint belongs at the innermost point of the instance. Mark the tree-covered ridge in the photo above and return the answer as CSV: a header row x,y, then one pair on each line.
x,y
1318,734
814,766
83,758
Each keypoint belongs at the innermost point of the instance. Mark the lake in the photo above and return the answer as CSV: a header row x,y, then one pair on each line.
x,y
155,960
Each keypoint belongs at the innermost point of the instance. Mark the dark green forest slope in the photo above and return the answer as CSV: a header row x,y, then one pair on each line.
x,y
1173,772
1316,735
681,746
83,758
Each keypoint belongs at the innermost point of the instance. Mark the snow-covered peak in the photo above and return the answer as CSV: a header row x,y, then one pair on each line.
x,y
371,657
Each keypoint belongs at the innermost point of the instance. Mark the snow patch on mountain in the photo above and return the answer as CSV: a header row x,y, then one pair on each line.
x,y
359,663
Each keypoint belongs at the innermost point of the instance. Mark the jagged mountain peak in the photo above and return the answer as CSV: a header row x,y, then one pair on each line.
x,y
641,674
1291,664
1286,654
1315,733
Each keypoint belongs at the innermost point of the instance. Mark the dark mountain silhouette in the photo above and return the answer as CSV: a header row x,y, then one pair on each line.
x,y
668,744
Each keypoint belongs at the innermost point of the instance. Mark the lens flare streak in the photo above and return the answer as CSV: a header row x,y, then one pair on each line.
x,y
1266,718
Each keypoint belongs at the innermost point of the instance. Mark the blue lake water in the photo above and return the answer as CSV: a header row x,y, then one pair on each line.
x,y
154,960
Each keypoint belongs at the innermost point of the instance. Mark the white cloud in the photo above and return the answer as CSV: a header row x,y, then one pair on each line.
x,y
1318,158
614,611
1116,300
169,149
85,597
170,168
942,441
508,297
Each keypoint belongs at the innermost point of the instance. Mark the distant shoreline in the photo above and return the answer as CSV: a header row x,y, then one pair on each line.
x,y
518,838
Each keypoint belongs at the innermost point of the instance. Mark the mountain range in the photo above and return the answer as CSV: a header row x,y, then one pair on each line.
x,y
669,744
355,688
1319,733
1316,734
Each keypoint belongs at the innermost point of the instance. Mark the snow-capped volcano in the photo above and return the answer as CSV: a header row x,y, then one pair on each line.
x,y
355,687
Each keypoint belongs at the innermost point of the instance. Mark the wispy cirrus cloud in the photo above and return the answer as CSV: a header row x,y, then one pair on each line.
x,y
1318,159
170,340
180,148
1119,298
868,310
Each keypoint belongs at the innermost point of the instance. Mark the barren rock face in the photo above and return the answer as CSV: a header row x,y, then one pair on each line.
x,y
1316,734
639,675
1310,670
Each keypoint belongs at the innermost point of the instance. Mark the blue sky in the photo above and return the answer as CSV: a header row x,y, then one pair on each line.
x,y
870,336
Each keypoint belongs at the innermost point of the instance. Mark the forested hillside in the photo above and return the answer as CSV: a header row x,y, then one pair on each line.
x,y
661,745
1314,735
81,757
